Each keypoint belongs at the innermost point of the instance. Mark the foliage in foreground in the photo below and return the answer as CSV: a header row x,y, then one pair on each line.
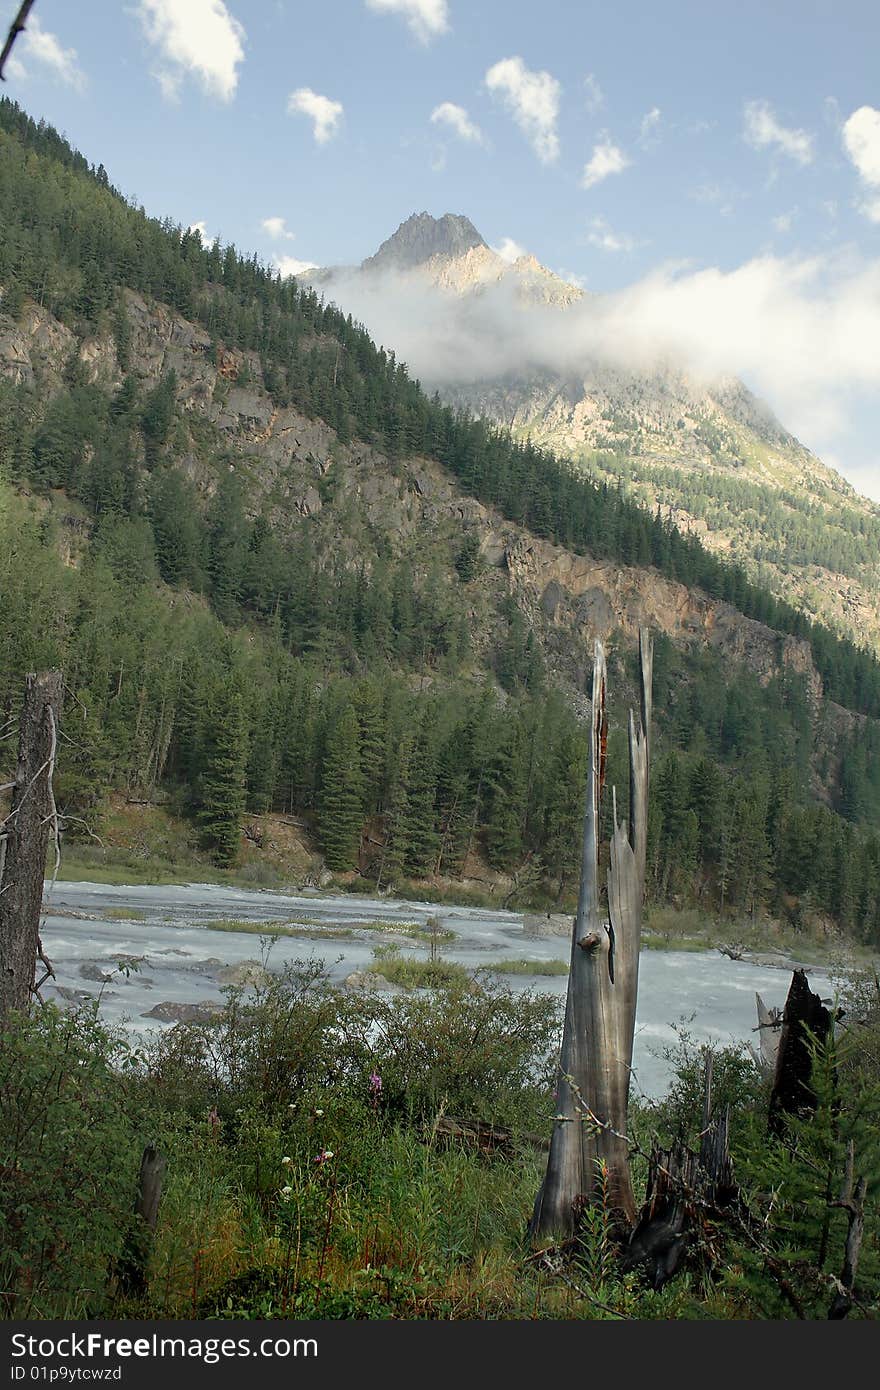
x,y
308,1175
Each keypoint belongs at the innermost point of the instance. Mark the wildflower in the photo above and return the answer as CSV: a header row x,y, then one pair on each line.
x,y
286,1193
375,1082
319,1112
324,1155
286,1161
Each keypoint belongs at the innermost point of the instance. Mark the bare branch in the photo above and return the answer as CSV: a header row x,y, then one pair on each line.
x,y
15,28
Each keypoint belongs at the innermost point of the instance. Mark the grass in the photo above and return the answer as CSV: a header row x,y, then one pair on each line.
x,y
527,967
307,928
411,973
124,914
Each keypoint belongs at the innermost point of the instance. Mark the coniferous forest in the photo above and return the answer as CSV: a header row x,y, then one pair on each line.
x,y
292,676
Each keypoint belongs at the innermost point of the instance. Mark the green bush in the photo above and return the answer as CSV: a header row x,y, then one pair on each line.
x,y
68,1164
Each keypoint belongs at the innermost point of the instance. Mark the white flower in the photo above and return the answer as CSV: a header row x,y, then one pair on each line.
x,y
286,1161
286,1193
319,1112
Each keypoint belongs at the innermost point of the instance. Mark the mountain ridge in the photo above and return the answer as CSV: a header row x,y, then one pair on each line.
x,y
711,454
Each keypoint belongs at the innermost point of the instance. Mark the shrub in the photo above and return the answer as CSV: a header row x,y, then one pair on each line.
x,y
68,1164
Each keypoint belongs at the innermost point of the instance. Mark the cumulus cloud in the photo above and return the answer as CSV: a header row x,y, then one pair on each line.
x,y
324,114
289,265
458,120
201,228
40,46
276,228
802,332
426,19
606,159
762,130
595,97
533,100
197,38
509,250
861,139
606,238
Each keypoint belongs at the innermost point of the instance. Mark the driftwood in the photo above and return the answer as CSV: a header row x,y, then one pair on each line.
x,y
806,1024
24,839
589,1132
687,1195
488,1138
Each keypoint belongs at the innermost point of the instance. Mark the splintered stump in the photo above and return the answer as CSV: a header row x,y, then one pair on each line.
x,y
806,1025
589,1151
687,1197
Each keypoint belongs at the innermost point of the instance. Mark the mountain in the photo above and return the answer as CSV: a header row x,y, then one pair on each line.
x,y
708,453
284,584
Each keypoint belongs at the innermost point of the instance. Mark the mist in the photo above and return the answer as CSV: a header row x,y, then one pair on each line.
x,y
802,332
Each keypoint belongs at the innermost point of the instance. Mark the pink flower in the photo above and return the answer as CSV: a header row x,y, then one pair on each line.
x,y
324,1156
375,1082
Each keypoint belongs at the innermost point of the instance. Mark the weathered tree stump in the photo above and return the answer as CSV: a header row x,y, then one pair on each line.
x,y
686,1199
806,1024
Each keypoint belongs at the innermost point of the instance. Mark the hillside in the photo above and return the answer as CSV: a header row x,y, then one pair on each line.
x,y
279,577
707,453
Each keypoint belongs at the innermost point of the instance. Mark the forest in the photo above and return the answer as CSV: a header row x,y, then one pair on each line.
x,y
291,678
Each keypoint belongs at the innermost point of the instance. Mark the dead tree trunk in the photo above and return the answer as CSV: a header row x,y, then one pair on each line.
x,y
132,1270
597,1042
24,836
806,1024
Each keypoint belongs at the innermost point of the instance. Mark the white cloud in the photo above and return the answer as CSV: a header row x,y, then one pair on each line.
x,y
41,46
606,238
802,332
605,160
289,265
277,228
533,100
595,98
198,38
201,228
427,19
763,130
509,250
325,114
457,118
861,138
650,123
783,223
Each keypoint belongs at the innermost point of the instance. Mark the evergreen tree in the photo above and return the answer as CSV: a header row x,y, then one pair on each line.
x,y
340,796
222,779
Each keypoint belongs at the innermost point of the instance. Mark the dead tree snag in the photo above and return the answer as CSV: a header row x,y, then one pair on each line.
x,y
596,1060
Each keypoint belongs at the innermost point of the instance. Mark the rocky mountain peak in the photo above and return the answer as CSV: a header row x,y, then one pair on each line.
x,y
422,237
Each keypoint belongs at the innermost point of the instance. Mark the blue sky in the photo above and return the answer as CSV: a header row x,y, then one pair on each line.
x,y
715,167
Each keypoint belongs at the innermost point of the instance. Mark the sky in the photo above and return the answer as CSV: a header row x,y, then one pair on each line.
x,y
712,170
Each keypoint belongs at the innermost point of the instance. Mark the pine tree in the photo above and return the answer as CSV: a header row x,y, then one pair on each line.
x,y
222,781
340,796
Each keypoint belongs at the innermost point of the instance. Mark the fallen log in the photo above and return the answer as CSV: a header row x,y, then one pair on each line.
x,y
488,1138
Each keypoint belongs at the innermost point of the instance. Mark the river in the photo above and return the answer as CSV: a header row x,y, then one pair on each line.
x,y
90,926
